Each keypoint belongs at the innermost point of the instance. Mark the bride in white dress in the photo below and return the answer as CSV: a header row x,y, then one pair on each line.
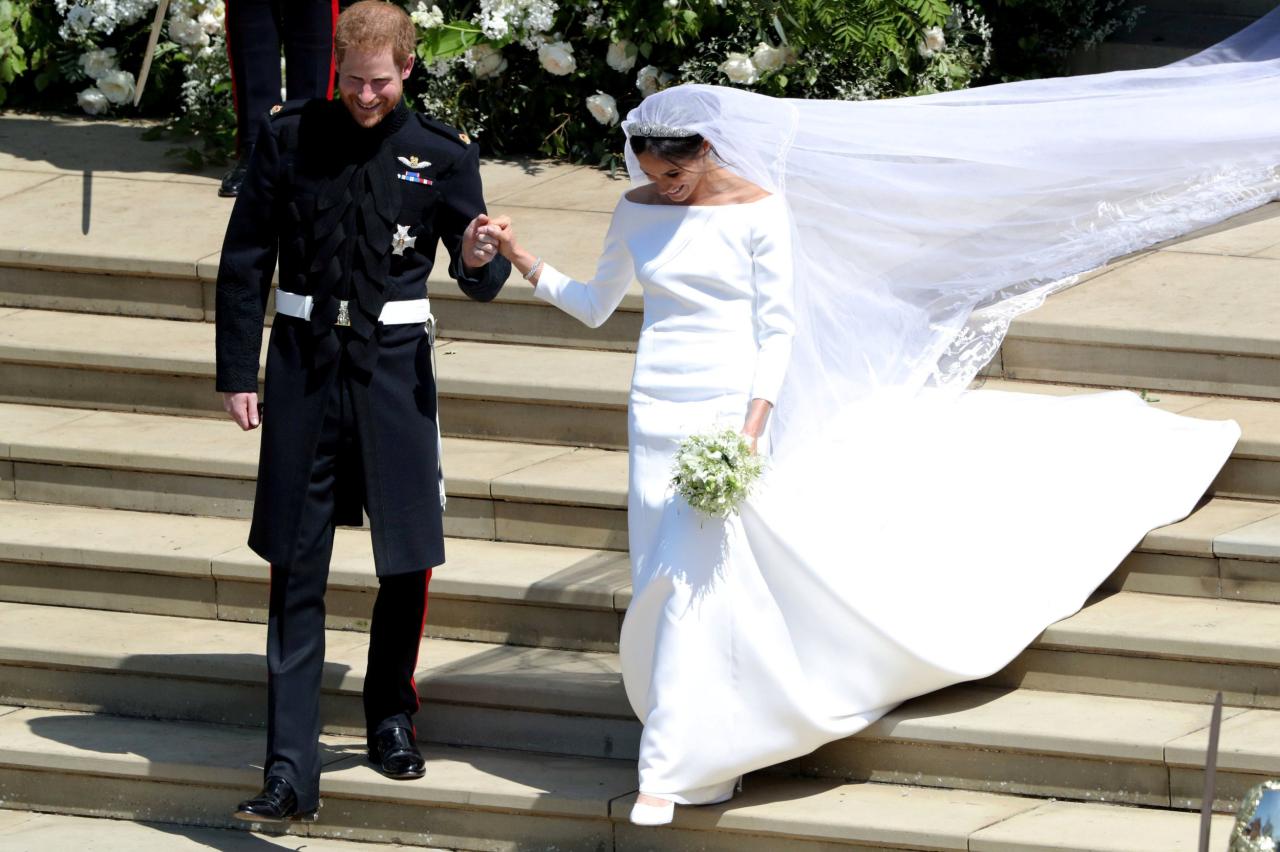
x,y
854,265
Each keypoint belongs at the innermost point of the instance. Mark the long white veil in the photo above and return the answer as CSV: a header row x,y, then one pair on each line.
x,y
923,226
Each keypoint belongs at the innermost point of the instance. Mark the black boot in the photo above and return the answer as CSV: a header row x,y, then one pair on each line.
x,y
232,180
395,751
277,802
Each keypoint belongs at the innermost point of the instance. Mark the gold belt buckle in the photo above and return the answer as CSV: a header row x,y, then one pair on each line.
x,y
344,314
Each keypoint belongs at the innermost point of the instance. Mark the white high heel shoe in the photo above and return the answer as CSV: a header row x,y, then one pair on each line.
x,y
645,814
642,814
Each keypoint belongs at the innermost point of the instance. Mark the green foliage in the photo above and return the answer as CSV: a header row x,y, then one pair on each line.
x,y
481,68
1037,38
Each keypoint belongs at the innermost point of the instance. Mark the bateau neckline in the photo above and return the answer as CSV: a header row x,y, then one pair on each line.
x,y
699,206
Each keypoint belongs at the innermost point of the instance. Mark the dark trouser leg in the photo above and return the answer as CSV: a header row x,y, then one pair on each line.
x,y
308,46
295,625
253,49
399,614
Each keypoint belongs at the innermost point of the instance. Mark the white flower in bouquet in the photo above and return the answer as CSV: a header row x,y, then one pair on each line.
x,y
96,63
673,4
716,471
117,86
622,56
934,40
188,32
426,17
739,68
485,61
92,101
647,81
603,108
557,58
766,57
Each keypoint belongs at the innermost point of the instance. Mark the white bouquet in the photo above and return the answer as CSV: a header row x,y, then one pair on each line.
x,y
715,471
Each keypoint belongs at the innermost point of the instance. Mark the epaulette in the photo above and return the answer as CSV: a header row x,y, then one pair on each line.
x,y
444,130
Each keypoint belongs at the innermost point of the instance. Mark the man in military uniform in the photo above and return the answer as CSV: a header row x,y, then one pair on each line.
x,y
352,195
255,31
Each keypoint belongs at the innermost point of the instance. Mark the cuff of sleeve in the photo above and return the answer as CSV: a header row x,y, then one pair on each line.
x,y
767,383
551,282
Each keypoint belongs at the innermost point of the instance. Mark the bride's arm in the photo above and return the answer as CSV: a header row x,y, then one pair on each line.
x,y
590,302
774,318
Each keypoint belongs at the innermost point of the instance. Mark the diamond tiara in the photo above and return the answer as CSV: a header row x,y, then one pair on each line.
x,y
653,129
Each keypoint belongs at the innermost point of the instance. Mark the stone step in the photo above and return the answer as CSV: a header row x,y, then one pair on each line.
x,y
500,391
1139,322
474,693
530,393
1201,315
569,702
143,562
504,491
27,831
1132,643
103,766
198,466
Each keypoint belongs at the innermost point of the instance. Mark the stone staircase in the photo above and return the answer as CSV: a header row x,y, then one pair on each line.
x,y
132,682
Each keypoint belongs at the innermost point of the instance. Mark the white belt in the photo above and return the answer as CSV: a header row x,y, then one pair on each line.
x,y
404,312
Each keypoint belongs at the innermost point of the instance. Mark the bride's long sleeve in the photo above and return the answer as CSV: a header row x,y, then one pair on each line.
x,y
592,302
775,321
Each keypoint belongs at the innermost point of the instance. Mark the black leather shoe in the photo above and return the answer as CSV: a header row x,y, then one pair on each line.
x,y
232,180
396,753
276,803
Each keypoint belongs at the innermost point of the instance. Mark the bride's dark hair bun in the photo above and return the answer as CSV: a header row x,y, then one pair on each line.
x,y
673,149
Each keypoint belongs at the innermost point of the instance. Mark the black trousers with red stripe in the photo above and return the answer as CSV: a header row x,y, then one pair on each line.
x,y
295,625
256,31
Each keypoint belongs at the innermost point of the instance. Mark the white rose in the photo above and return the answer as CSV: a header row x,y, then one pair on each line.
x,y
92,101
557,57
647,80
485,61
622,56
933,41
603,108
188,32
767,57
117,86
210,20
79,20
95,63
739,68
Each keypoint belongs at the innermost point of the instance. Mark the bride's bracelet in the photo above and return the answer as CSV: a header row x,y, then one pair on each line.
x,y
533,270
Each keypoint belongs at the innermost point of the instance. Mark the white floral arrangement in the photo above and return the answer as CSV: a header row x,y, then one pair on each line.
x,y
194,26
716,471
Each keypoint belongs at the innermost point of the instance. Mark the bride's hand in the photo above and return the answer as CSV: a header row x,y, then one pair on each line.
x,y
752,441
503,233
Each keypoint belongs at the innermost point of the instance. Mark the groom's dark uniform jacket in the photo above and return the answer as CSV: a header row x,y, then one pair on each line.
x,y
329,198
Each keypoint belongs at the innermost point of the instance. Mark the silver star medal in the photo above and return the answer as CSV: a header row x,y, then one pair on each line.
x,y
402,240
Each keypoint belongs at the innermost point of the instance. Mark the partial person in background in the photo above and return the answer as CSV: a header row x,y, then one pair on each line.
x,y
256,31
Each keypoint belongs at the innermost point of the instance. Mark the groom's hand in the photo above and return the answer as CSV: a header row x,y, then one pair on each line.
x,y
243,408
479,240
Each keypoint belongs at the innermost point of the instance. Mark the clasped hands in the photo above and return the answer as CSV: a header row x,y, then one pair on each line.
x,y
483,239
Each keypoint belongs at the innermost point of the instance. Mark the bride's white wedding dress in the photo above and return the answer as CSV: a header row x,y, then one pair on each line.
x,y
912,543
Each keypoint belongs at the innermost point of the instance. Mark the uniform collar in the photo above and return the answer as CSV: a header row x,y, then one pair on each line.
x,y
394,121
